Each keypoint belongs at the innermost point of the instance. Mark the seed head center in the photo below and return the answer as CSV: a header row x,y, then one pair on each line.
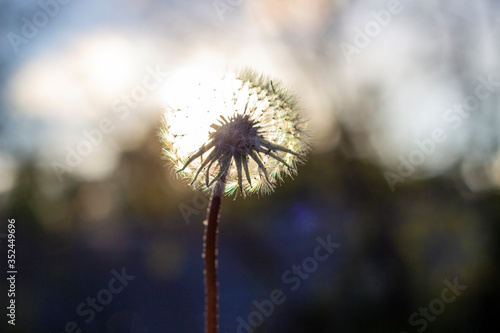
x,y
235,136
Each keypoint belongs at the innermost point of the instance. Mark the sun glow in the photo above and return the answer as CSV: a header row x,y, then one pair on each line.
x,y
197,98
221,124
78,81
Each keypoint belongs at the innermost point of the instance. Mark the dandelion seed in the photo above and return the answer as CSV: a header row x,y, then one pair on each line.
x,y
241,127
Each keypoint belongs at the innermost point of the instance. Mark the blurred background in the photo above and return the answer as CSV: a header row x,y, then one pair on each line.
x,y
403,100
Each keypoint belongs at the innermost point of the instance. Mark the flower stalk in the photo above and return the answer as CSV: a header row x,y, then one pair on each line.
x,y
210,256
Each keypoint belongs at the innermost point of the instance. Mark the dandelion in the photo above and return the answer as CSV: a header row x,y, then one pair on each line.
x,y
235,133
243,126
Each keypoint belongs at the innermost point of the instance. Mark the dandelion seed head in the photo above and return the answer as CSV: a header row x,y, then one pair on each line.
x,y
242,127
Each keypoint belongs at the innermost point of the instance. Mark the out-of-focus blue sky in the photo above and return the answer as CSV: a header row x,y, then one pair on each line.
x,y
390,80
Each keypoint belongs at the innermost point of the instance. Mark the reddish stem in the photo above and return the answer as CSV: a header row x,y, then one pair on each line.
x,y
210,255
